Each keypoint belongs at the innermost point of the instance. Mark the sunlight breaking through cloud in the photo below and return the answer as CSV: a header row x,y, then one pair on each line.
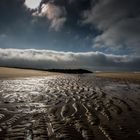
x,y
32,4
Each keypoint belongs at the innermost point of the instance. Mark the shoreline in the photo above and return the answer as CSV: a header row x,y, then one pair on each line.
x,y
14,73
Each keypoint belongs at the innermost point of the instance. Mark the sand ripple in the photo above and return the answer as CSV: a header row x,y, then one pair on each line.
x,y
69,107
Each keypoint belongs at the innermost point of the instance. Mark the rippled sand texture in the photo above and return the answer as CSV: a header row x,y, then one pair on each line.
x,y
69,107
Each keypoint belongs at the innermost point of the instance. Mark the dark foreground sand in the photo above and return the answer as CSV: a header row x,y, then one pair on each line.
x,y
69,107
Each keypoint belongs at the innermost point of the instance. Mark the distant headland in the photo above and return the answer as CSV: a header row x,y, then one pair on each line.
x,y
70,71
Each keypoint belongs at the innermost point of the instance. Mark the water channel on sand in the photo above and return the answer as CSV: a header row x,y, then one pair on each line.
x,y
69,107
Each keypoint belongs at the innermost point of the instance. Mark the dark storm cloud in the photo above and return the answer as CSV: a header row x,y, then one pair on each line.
x,y
23,30
118,21
53,59
107,26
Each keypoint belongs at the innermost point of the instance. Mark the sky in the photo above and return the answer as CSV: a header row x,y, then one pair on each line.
x,y
90,34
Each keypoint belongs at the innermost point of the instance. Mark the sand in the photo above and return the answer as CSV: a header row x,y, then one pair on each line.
x,y
69,107
128,76
8,73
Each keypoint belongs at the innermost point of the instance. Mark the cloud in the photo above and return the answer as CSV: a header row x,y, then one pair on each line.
x,y
118,21
32,58
55,14
114,24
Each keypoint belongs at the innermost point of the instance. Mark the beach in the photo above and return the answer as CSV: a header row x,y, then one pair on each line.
x,y
69,107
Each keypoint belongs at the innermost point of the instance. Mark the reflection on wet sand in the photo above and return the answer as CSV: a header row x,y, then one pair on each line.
x,y
69,107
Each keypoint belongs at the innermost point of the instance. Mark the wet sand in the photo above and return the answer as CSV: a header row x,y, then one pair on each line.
x,y
69,107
